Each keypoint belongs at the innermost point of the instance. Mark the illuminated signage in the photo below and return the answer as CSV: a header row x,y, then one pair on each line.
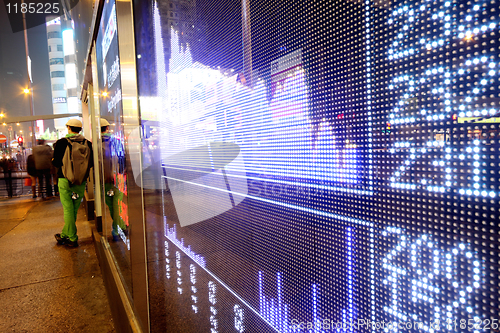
x,y
68,42
57,100
113,72
40,126
109,63
114,99
109,32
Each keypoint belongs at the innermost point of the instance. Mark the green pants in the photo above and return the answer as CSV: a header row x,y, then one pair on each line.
x,y
70,206
113,206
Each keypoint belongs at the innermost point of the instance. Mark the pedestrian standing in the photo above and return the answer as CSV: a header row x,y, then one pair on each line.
x,y
43,162
53,173
73,156
31,168
9,165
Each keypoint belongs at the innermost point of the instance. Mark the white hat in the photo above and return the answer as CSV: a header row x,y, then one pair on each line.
x,y
74,122
104,122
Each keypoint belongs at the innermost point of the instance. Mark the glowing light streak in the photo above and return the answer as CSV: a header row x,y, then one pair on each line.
x,y
277,181
283,204
348,315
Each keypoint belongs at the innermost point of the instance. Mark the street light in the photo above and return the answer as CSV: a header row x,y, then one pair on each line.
x,y
26,91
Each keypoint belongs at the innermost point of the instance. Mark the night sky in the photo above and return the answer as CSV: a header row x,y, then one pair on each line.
x,y
13,73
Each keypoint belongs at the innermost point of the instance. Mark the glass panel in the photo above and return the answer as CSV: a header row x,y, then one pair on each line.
x,y
113,171
17,164
309,165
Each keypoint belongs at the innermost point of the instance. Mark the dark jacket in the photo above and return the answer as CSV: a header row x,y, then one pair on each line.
x,y
31,166
43,157
60,149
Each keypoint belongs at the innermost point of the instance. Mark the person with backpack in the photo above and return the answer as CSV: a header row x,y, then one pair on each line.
x,y
73,156
113,163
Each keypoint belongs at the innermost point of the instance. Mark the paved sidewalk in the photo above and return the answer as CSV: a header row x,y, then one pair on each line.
x,y
45,287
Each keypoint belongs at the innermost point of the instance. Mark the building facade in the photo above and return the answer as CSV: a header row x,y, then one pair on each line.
x,y
63,72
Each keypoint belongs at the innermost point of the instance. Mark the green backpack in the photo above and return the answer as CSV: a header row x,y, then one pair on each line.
x,y
75,162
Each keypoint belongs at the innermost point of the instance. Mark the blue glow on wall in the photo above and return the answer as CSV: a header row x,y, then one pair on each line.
x,y
369,155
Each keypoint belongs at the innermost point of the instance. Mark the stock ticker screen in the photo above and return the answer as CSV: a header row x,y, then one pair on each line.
x,y
325,166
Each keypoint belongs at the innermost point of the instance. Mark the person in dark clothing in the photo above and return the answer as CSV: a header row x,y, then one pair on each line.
x,y
43,162
53,173
31,168
71,195
9,165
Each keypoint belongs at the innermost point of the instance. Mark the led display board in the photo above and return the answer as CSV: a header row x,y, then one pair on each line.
x,y
318,173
